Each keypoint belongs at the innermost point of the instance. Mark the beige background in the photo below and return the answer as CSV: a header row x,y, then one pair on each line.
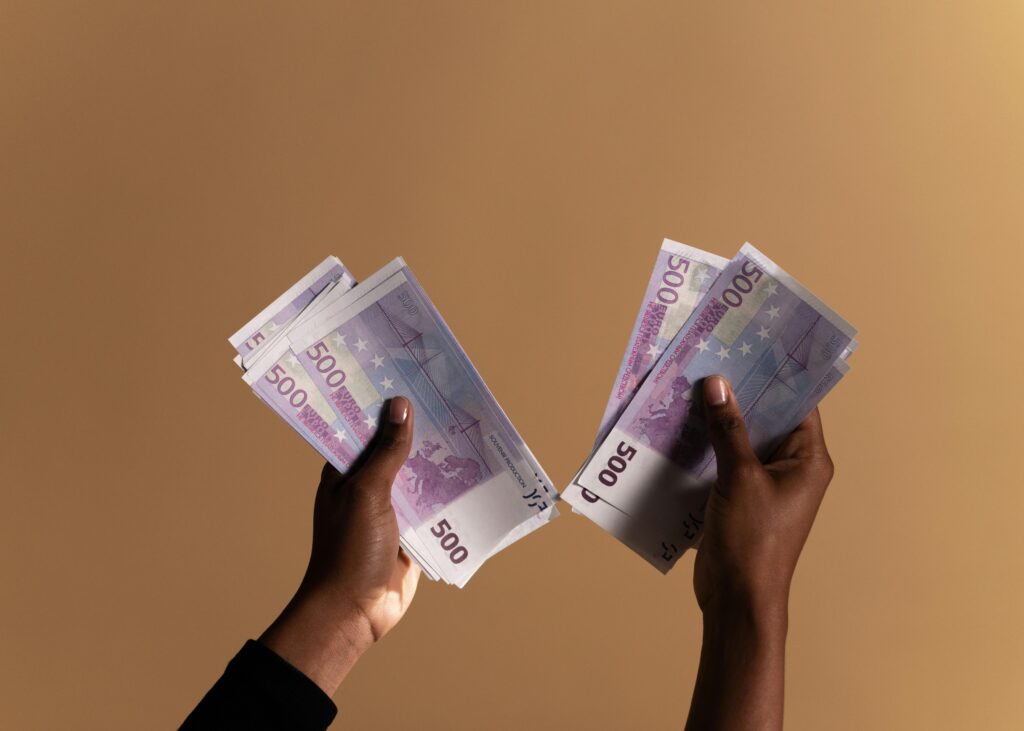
x,y
168,168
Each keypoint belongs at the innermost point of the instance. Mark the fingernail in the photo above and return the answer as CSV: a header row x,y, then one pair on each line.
x,y
716,391
398,410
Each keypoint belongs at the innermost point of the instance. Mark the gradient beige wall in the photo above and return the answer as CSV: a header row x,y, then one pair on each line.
x,y
167,168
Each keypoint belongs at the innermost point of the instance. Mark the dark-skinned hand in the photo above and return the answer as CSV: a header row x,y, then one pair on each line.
x,y
358,584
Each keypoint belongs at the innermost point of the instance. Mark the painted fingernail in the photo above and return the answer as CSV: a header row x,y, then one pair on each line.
x,y
716,391
398,410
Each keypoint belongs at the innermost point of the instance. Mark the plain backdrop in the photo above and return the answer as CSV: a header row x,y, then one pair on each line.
x,y
170,167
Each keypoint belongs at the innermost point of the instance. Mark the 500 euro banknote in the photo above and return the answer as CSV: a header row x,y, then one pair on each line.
x,y
277,378
649,540
259,336
774,341
681,277
470,486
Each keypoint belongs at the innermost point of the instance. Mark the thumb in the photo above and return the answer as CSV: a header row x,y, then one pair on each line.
x,y
726,428
388,450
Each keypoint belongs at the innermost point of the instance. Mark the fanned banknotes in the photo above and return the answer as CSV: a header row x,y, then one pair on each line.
x,y
470,487
782,349
327,355
282,311
263,352
681,277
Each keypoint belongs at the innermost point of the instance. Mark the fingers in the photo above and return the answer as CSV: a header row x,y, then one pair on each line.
x,y
389,449
726,428
804,454
813,438
810,429
408,573
806,440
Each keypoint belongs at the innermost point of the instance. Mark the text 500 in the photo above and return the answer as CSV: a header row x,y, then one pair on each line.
x,y
449,541
616,464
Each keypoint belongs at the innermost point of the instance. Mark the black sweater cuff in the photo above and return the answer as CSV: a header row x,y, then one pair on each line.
x,y
260,690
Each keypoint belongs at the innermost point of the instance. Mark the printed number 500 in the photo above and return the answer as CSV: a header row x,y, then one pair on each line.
x,y
616,464
450,542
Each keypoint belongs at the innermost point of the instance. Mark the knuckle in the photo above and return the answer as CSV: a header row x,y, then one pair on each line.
x,y
373,485
385,478
390,443
746,469
729,423
828,467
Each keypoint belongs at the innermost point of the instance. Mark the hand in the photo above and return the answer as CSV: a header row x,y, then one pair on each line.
x,y
758,516
358,584
756,522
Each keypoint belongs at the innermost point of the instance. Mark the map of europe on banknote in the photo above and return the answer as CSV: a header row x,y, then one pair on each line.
x,y
780,347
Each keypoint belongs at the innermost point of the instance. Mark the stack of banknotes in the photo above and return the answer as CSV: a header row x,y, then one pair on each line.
x,y
782,349
328,354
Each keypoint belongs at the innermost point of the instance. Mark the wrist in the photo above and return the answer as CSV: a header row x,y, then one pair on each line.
x,y
320,636
341,618
759,615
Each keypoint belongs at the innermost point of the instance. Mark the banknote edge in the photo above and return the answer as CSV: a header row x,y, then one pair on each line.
x,y
289,295
304,335
791,283
692,252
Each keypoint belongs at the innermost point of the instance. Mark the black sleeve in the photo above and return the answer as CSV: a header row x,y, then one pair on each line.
x,y
259,690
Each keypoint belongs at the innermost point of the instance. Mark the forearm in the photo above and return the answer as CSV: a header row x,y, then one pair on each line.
x,y
741,677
